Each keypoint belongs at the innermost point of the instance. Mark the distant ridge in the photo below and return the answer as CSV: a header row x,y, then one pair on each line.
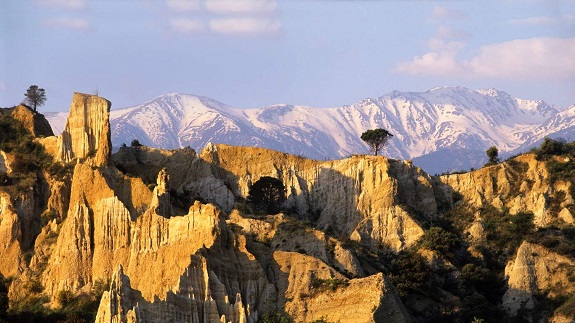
x,y
442,129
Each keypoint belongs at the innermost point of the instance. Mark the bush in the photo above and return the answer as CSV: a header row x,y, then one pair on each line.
x,y
135,143
439,240
409,273
30,157
64,298
553,147
482,280
505,232
560,170
331,284
3,296
477,307
275,317
568,308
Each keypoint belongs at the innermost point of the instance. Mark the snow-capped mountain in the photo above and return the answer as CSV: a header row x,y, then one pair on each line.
x,y
445,128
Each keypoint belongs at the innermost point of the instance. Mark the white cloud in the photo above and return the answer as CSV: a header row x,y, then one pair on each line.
x,y
244,25
441,13
68,4
67,23
183,5
441,60
543,20
529,59
186,25
535,58
226,17
446,32
241,6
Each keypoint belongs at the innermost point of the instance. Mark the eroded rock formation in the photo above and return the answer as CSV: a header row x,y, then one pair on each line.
x,y
171,235
35,122
536,270
522,184
87,130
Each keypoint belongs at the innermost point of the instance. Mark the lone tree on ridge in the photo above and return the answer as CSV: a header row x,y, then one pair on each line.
x,y
493,155
376,139
35,97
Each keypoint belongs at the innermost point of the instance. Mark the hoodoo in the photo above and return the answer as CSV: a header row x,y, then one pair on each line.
x,y
87,131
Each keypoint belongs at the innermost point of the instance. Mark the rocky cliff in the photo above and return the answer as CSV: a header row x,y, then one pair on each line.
x,y
534,271
87,130
368,199
151,235
33,121
520,184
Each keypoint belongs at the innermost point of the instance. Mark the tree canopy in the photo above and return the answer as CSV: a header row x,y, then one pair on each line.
x,y
493,155
35,97
376,139
267,193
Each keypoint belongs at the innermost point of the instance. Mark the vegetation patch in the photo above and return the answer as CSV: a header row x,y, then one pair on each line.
x,y
331,284
275,317
440,240
30,158
409,272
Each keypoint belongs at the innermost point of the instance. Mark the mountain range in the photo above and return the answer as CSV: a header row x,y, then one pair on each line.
x,y
442,129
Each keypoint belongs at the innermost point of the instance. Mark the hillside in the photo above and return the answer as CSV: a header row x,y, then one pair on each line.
x,y
443,129
153,235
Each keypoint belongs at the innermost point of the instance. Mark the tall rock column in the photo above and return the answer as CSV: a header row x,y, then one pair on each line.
x,y
87,131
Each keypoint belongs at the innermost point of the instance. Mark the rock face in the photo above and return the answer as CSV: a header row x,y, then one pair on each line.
x,y
288,235
10,239
87,131
536,270
171,235
5,163
35,122
297,278
522,184
364,197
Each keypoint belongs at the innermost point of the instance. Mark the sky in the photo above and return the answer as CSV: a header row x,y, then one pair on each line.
x,y
255,53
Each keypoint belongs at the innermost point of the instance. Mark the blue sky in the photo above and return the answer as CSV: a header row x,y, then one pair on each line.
x,y
253,53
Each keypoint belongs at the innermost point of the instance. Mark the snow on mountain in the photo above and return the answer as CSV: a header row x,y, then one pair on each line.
x,y
57,121
559,125
445,128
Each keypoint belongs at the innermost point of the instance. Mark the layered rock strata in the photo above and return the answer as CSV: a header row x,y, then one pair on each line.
x,y
87,130
34,122
536,270
522,184
369,199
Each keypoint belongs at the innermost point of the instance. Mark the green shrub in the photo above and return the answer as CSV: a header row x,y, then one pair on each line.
x,y
409,273
135,143
34,286
29,160
48,216
4,302
505,232
551,147
64,297
275,317
477,307
99,287
437,239
482,280
331,284
568,308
